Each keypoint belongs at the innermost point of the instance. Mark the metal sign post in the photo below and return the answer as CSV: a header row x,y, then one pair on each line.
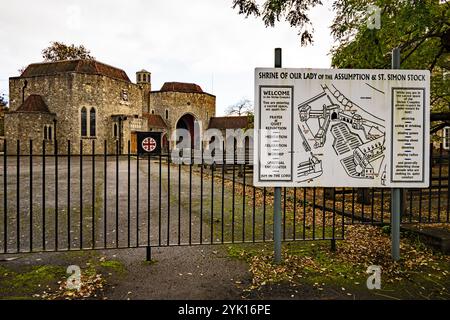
x,y
395,194
353,128
277,193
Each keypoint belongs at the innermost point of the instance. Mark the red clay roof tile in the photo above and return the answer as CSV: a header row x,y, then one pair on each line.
x,y
154,120
228,122
76,66
181,87
34,103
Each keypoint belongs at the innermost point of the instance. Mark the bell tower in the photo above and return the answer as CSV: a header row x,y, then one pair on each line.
x,y
144,81
143,77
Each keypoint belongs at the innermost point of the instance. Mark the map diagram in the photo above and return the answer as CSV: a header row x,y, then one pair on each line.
x,y
356,136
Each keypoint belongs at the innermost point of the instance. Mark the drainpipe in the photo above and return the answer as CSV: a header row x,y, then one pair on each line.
x,y
120,135
54,128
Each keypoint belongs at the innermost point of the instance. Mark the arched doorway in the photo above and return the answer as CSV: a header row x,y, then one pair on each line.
x,y
190,123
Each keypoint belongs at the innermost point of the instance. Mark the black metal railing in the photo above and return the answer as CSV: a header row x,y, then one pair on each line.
x,y
430,205
59,200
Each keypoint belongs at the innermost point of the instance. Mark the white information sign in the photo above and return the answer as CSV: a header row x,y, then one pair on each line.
x,y
341,128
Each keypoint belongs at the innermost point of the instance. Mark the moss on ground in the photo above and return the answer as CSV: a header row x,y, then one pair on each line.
x,y
23,284
114,265
41,281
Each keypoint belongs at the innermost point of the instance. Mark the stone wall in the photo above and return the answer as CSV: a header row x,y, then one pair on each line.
x,y
26,126
66,94
201,105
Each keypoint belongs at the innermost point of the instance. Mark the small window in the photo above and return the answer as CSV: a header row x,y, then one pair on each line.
x,y
115,132
167,114
48,132
153,111
92,123
447,138
83,122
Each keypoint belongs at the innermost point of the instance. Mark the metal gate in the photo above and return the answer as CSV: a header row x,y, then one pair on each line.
x,y
59,201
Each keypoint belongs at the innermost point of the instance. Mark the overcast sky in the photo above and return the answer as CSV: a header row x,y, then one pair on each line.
x,y
200,41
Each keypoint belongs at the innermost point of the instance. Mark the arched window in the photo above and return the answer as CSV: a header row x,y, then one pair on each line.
x,y
153,111
50,136
83,122
92,126
45,132
167,114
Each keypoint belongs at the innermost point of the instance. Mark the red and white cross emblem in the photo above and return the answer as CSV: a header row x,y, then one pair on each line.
x,y
149,144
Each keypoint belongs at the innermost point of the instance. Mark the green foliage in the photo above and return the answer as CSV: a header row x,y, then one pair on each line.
x,y
421,29
114,265
272,11
58,51
30,281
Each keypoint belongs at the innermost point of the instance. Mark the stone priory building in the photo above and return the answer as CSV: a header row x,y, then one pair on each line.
x,y
85,105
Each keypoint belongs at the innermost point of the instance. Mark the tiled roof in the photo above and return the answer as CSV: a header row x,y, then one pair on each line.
x,y
181,87
154,120
34,103
228,122
77,66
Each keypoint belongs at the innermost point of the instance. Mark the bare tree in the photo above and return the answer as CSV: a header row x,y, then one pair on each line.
x,y
241,108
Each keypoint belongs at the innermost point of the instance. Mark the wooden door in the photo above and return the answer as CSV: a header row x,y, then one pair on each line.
x,y
133,143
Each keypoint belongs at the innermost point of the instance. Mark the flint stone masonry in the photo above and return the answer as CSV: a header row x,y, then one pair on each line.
x,y
201,105
20,124
65,95
68,86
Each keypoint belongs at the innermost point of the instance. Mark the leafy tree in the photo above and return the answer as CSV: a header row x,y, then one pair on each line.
x,y
352,17
58,51
420,28
242,107
295,12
